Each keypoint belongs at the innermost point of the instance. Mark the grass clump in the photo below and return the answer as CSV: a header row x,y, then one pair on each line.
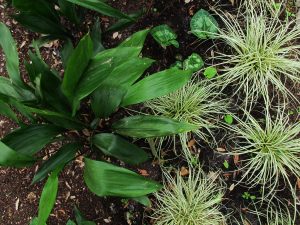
x,y
270,151
198,103
191,201
263,53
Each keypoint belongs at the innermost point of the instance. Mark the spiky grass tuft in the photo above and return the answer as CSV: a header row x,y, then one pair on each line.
x,y
198,103
263,54
271,150
192,201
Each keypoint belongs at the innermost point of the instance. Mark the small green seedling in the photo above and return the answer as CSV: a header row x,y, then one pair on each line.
x,y
165,36
194,63
226,164
228,119
210,72
177,64
247,196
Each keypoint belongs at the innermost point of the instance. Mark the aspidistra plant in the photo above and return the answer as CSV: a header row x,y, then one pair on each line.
x,y
106,81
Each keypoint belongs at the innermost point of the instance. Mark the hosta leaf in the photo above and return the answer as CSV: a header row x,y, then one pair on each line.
x,y
194,63
156,85
204,25
32,138
48,198
150,126
11,55
106,99
9,157
63,156
77,63
105,179
5,110
101,7
165,36
119,148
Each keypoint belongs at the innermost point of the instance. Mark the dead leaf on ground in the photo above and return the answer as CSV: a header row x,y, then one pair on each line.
x,y
298,183
236,159
184,171
191,143
143,172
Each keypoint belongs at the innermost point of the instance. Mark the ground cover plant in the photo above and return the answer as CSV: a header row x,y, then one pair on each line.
x,y
146,112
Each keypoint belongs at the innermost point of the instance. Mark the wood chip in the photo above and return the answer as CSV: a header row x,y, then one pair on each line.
x,y
17,204
184,171
115,35
143,172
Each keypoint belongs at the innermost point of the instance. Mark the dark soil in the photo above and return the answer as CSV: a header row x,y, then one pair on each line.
x,y
19,199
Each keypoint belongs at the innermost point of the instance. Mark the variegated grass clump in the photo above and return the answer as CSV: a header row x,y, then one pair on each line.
x,y
198,103
271,151
263,54
193,200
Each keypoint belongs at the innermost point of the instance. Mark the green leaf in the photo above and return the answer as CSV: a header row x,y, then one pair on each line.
x,y
194,63
70,222
9,157
79,60
48,198
106,99
210,72
150,126
203,25
156,85
5,110
69,10
136,40
123,23
80,219
165,36
228,119
96,36
62,157
119,148
66,52
226,164
144,200
101,7
105,179
11,55
32,138
7,89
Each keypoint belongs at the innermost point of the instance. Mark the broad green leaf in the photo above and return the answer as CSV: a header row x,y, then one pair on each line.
x,y
32,138
9,157
105,179
150,126
136,40
70,222
144,200
194,63
106,99
96,36
69,10
101,7
5,110
11,55
210,72
99,69
165,36
77,63
48,198
123,23
58,119
66,52
204,25
62,157
156,85
119,148
80,218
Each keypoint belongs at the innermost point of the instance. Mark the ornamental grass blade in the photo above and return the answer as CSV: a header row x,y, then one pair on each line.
x,y
30,139
150,126
156,85
11,158
48,198
64,155
101,7
105,179
119,148
77,63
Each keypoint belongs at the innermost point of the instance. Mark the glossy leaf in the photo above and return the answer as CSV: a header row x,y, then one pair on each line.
x,y
204,25
96,36
165,36
119,148
77,63
101,7
105,179
11,55
136,40
48,198
150,126
7,89
9,157
62,157
156,85
66,52
106,99
32,138
5,110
